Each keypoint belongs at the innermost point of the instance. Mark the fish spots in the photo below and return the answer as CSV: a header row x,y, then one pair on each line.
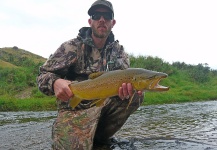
x,y
107,84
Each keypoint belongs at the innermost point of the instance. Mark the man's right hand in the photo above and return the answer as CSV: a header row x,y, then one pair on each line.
x,y
62,90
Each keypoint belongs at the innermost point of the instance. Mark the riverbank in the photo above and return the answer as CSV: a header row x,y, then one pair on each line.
x,y
48,103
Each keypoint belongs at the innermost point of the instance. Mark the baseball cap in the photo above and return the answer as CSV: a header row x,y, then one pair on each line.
x,y
99,4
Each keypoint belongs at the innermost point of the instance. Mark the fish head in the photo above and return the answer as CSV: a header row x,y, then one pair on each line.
x,y
149,81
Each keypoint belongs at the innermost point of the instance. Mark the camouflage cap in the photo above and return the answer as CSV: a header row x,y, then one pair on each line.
x,y
99,4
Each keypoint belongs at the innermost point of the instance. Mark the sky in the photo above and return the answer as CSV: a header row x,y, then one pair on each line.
x,y
173,30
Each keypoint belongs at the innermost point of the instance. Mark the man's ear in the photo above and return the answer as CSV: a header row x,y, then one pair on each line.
x,y
113,22
89,21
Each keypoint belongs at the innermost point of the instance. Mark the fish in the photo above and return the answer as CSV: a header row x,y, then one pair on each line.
x,y
102,85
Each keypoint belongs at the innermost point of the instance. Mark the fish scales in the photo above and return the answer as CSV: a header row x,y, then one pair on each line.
x,y
97,88
107,84
104,85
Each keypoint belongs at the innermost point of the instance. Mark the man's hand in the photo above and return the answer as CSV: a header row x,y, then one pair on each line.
x,y
126,91
62,90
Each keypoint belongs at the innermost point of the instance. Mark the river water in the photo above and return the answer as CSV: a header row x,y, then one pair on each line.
x,y
186,126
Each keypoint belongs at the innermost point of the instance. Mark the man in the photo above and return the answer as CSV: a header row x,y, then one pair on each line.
x,y
93,50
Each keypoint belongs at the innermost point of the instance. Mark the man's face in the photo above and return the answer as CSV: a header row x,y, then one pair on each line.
x,y
101,23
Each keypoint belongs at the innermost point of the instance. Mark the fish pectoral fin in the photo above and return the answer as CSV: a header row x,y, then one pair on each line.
x,y
74,101
98,102
95,75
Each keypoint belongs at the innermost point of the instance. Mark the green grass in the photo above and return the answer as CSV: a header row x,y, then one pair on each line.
x,y
28,104
19,92
5,64
178,93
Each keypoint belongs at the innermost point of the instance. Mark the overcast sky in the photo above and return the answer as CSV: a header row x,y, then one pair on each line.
x,y
174,30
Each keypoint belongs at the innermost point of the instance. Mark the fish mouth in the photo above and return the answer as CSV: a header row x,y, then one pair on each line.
x,y
155,86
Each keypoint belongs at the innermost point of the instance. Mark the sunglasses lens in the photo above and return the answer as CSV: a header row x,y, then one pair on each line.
x,y
96,16
105,15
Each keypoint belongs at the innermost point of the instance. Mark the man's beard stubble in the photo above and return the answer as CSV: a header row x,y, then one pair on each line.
x,y
104,35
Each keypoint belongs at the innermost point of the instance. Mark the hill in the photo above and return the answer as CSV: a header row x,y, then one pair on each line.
x,y
18,71
13,56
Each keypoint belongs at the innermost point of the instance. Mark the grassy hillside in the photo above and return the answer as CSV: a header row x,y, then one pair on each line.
x,y
19,68
18,71
5,64
18,57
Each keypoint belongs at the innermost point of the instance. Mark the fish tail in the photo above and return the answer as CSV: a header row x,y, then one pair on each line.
x,y
74,101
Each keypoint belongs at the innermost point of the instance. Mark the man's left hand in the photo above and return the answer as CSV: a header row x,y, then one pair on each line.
x,y
126,91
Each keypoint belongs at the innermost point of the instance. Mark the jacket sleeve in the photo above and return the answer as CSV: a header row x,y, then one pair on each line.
x,y
56,67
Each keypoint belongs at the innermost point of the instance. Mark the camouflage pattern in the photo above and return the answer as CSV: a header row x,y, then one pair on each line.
x,y
77,58
79,130
74,60
74,130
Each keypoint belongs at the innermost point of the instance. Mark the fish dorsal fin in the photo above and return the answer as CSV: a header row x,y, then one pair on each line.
x,y
74,101
95,75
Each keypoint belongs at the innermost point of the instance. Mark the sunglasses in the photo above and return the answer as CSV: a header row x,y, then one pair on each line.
x,y
105,15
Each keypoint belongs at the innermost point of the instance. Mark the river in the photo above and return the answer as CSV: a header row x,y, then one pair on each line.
x,y
185,126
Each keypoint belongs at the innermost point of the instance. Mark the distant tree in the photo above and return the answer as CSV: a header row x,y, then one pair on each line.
x,y
151,63
200,73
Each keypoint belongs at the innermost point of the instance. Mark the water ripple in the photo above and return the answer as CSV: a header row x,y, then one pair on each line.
x,y
173,126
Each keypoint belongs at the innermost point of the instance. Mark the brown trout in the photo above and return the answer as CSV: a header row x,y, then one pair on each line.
x,y
102,85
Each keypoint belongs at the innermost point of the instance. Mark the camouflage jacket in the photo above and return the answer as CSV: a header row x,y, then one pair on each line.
x,y
77,58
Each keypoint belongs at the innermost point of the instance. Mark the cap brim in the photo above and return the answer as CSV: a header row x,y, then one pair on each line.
x,y
93,8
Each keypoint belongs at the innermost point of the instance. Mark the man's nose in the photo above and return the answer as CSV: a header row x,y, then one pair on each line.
x,y
102,19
